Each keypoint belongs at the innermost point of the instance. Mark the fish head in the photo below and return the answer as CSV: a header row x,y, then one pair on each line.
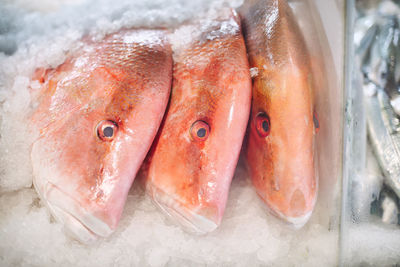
x,y
282,126
97,116
281,143
195,156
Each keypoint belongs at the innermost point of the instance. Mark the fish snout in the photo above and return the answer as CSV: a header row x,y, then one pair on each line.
x,y
76,219
198,220
294,204
301,205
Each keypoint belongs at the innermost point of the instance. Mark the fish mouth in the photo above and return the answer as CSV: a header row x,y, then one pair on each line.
x,y
72,225
296,222
190,220
76,220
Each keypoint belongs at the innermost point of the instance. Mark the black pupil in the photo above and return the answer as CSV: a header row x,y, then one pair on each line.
x,y
316,122
201,132
265,125
108,131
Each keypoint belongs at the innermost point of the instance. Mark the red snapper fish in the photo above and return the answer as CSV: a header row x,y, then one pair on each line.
x,y
190,167
97,115
283,122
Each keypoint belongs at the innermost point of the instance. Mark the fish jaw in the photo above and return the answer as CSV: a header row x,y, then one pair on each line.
x,y
189,179
78,221
193,220
83,178
280,161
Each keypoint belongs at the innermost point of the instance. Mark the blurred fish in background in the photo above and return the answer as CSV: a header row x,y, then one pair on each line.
x,y
377,49
8,27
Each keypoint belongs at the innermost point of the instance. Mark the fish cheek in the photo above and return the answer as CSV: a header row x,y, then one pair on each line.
x,y
265,154
182,163
199,135
81,158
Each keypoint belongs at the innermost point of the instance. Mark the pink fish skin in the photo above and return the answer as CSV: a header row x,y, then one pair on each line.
x,y
97,115
190,167
283,122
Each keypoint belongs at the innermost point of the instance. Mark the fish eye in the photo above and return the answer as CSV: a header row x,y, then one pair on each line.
x,y
316,122
106,130
263,124
199,131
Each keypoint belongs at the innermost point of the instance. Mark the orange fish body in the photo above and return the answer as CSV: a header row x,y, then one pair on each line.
x,y
280,146
192,162
97,115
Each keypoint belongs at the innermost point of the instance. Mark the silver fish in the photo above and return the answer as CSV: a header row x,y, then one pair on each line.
x,y
364,50
388,46
378,58
384,131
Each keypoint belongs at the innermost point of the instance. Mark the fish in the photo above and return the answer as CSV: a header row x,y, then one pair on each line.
x,y
384,133
389,53
96,116
378,58
191,164
378,52
279,151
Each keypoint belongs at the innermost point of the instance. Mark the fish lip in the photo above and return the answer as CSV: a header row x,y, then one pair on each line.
x,y
79,231
190,221
81,224
296,222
